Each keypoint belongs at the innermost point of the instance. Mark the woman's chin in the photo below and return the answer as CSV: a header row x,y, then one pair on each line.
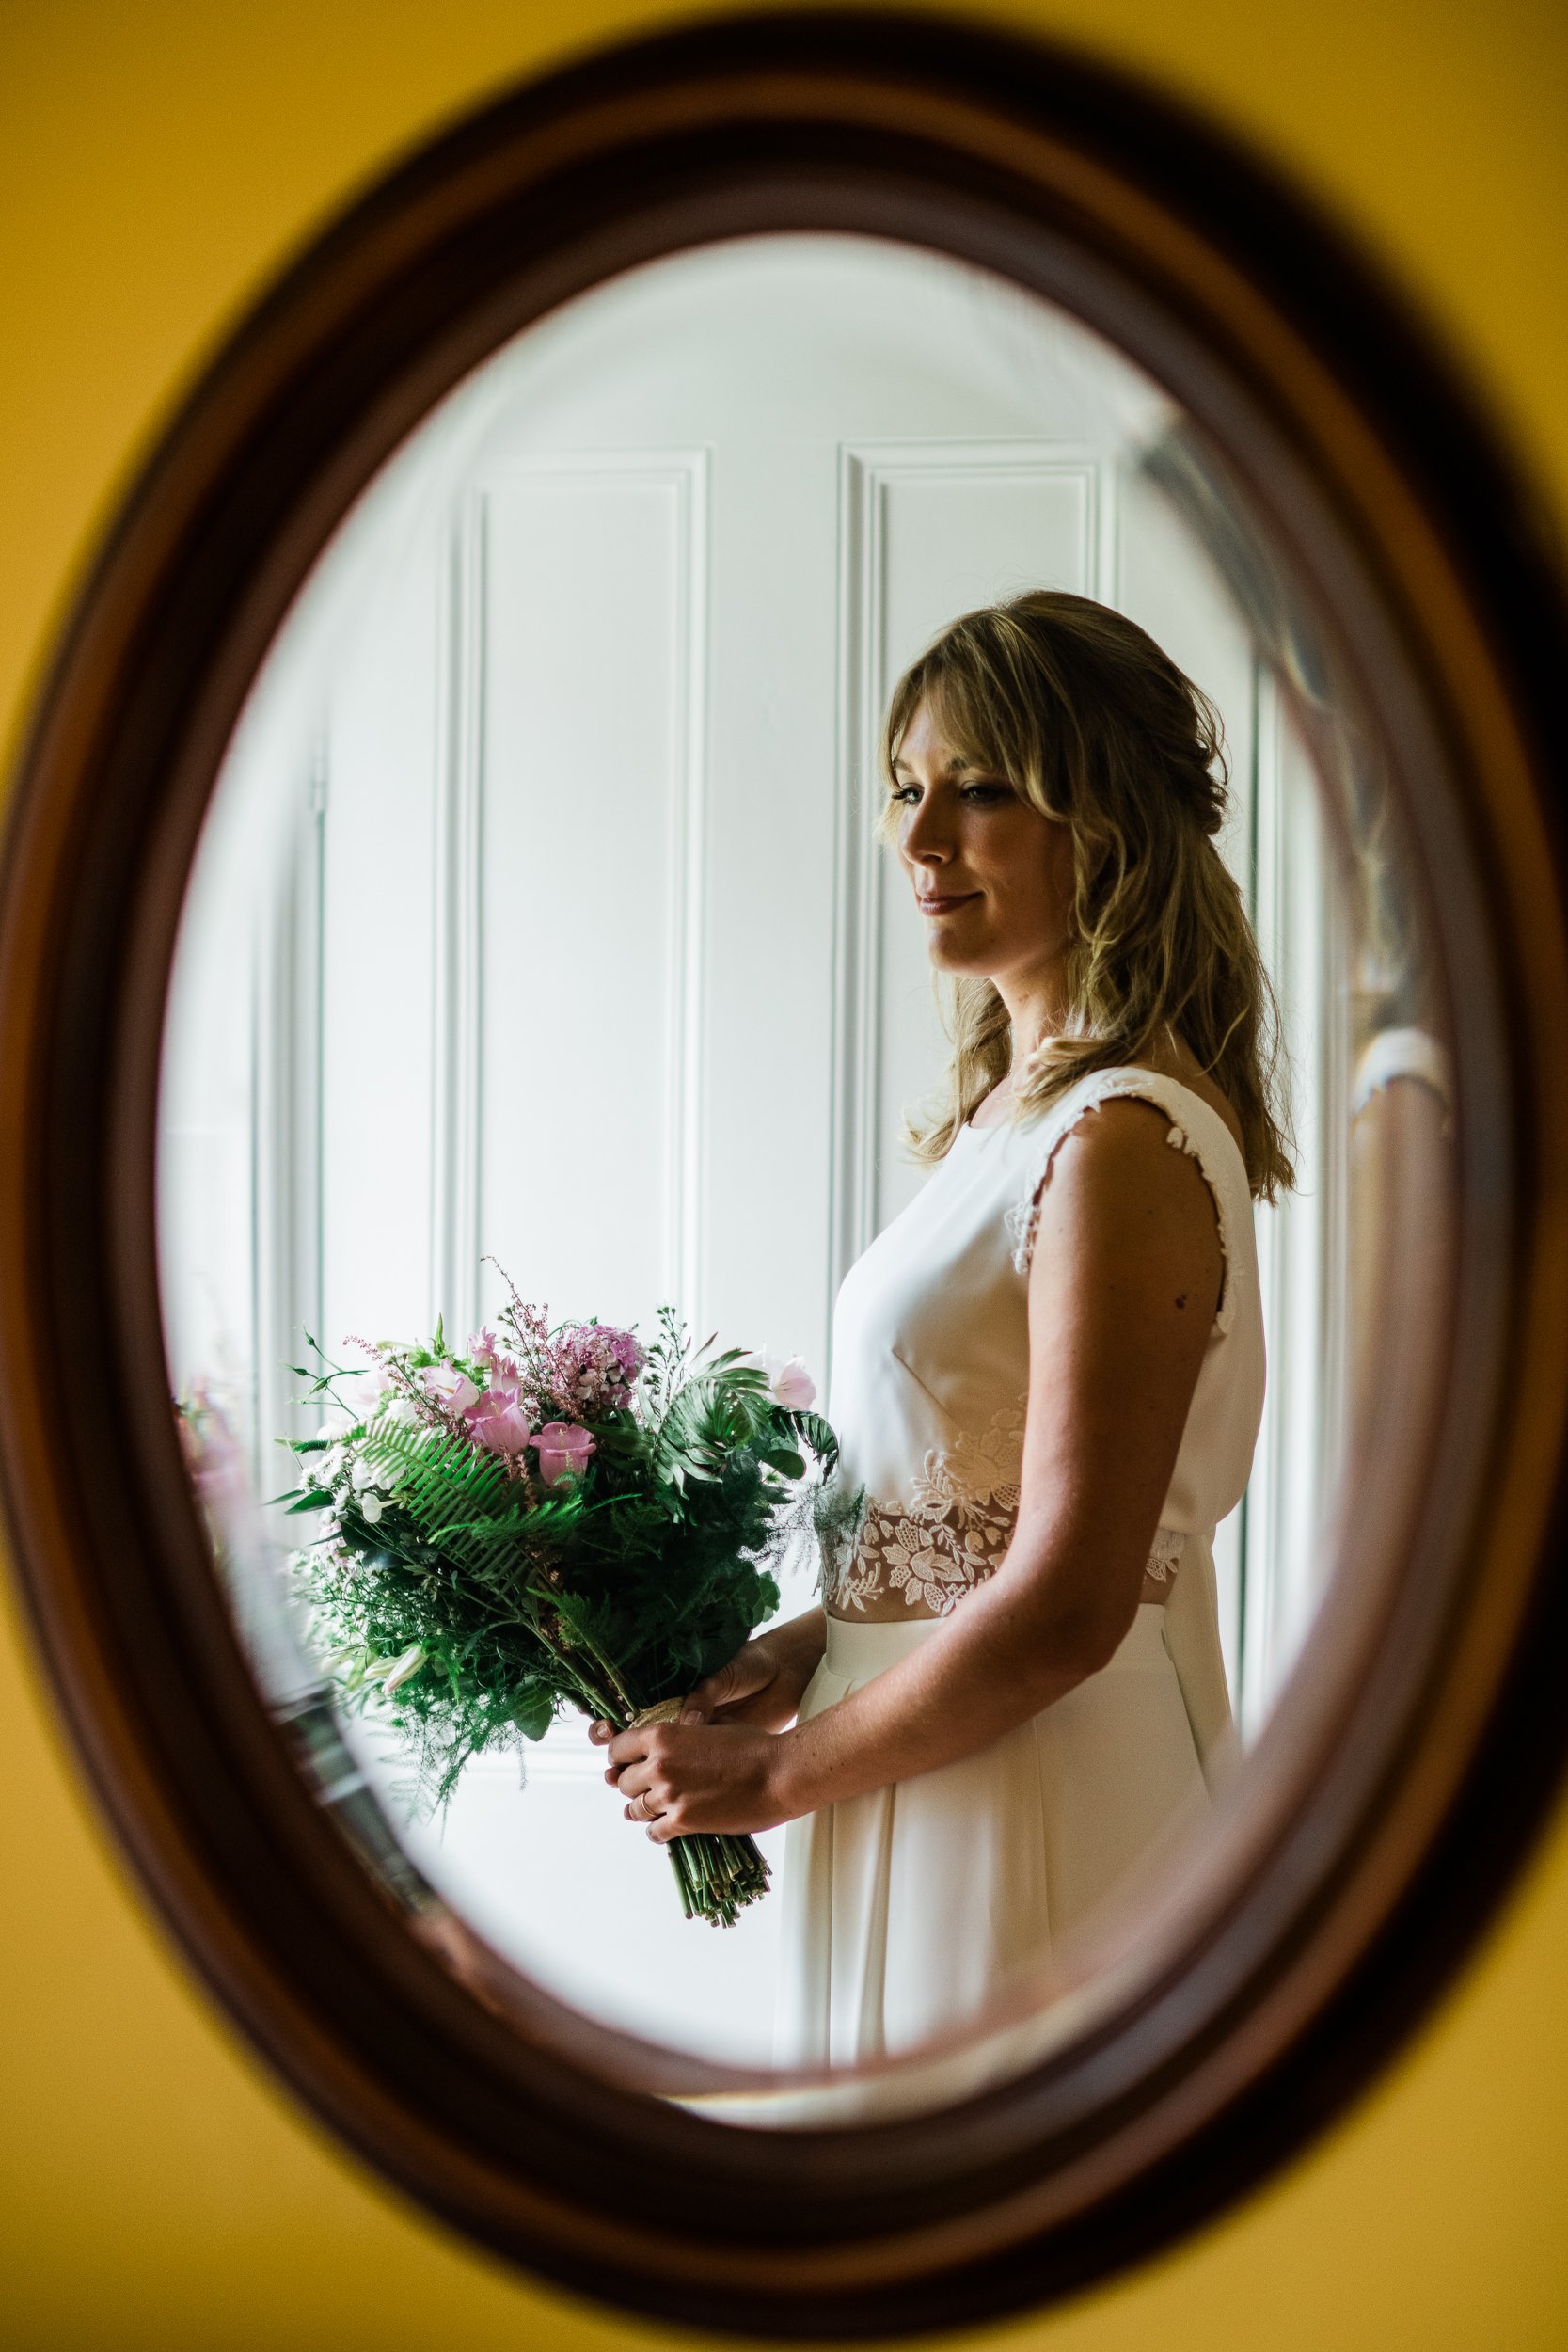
x,y
960,958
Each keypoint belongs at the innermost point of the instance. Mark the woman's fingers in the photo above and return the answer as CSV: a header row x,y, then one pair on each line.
x,y
715,1690
646,1803
641,1804
630,1747
675,1780
752,1669
634,1772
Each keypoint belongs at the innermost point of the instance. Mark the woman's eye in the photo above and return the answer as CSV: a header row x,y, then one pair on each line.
x,y
982,793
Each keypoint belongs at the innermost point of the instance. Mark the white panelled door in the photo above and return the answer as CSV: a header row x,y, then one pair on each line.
x,y
590,640
613,982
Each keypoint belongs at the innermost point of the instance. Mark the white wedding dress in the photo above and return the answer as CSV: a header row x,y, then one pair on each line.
x,y
907,1911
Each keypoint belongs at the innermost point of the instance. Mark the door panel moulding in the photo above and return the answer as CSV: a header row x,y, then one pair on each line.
x,y
458,1067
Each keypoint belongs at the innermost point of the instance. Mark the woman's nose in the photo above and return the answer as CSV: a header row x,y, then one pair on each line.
x,y
925,840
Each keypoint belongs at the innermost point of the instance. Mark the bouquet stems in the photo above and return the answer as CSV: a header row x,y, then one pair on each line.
x,y
717,1873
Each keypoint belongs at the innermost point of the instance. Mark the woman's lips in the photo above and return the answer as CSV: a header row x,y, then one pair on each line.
x,y
940,902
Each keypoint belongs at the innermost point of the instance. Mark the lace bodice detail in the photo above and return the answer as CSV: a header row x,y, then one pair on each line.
x,y
951,1534
932,1365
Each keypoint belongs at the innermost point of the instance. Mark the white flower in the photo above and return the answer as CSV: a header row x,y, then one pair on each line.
x,y
402,1668
371,1507
791,1383
444,1385
336,1424
367,1391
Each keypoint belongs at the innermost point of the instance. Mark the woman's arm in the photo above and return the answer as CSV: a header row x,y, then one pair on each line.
x,y
1124,1288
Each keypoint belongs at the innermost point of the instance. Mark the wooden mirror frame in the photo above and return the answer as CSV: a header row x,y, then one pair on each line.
x,y
1423,1738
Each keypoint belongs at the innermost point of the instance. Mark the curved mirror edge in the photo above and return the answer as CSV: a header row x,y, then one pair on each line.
x,y
365,978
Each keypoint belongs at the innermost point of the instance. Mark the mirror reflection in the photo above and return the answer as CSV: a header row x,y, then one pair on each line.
x,y
782,804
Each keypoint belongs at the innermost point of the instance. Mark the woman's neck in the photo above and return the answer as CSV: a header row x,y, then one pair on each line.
x,y
1036,1006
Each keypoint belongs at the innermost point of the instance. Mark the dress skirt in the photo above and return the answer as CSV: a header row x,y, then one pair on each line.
x,y
907,1909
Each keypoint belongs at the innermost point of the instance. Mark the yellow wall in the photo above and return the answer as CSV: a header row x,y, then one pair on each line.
x,y
157,159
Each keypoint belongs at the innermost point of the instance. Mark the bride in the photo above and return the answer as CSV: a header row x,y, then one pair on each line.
x,y
1048,1372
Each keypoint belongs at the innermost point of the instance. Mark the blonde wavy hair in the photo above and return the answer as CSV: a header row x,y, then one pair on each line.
x,y
1092,724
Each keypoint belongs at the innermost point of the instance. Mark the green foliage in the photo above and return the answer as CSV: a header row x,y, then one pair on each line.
x,y
474,1602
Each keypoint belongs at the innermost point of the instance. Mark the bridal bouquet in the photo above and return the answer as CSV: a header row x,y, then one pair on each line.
x,y
554,1517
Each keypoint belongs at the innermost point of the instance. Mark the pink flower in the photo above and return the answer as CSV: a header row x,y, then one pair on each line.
x,y
563,1451
446,1386
792,1385
486,1351
498,1422
588,1368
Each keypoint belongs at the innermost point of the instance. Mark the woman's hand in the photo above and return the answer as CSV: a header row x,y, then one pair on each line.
x,y
720,1767
681,1778
765,1682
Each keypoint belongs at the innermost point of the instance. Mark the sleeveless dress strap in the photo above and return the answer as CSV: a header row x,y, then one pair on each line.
x,y
1196,1129
1405,1054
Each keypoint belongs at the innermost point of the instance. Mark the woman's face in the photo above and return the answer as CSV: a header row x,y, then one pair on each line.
x,y
993,878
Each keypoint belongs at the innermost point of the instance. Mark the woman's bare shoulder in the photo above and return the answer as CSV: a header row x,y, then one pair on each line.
x,y
1117,1192
1122,1141
1175,1060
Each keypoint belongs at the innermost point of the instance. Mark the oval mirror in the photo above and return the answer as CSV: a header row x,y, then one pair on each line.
x,y
487,912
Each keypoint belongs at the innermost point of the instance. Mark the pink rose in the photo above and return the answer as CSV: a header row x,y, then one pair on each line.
x,y
444,1385
563,1451
498,1422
